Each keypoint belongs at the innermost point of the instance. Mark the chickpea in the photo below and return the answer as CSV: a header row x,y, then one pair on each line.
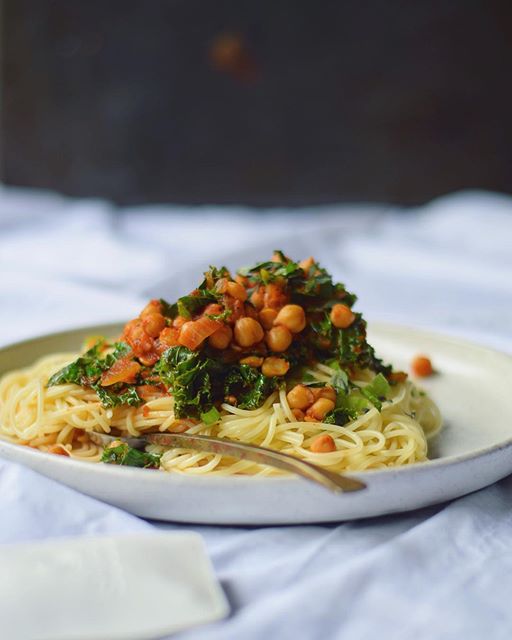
x,y
298,415
342,316
323,444
221,338
278,338
396,377
258,297
153,306
300,397
324,392
248,332
140,340
237,291
153,323
242,280
252,361
293,317
273,366
235,307
267,317
421,366
221,286
275,296
320,408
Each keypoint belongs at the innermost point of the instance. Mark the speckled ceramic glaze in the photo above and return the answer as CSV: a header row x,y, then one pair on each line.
x,y
473,450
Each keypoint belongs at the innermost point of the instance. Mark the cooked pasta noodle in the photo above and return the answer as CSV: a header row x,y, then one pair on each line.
x,y
58,418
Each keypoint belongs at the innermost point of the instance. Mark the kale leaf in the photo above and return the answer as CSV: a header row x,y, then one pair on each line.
x,y
198,382
109,398
248,385
210,417
376,391
87,368
351,405
189,306
193,378
127,456
168,310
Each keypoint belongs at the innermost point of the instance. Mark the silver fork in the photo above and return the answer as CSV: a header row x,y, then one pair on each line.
x,y
241,451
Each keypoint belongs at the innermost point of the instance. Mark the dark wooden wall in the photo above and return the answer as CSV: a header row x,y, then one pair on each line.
x,y
266,102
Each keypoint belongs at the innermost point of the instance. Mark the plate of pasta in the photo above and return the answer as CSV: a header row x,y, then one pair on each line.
x,y
275,355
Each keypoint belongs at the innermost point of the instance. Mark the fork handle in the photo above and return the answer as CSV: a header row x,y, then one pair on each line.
x,y
243,451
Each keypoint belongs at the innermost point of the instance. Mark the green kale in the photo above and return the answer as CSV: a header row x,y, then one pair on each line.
x,y
127,456
323,327
339,380
376,391
84,368
269,271
168,310
198,382
211,276
210,417
86,371
87,368
109,398
248,385
194,379
348,407
222,317
189,306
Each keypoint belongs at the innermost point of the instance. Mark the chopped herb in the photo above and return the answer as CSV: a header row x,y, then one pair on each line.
x,y
197,382
377,390
127,456
168,310
110,399
211,276
189,306
249,386
340,381
210,417
348,407
222,317
87,368
192,378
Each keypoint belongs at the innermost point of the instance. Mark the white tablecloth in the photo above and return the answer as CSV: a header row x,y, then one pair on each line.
x,y
442,572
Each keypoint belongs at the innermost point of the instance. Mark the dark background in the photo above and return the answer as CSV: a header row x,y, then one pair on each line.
x,y
268,102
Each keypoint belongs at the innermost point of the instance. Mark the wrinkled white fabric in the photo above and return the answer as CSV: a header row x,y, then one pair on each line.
x,y
442,572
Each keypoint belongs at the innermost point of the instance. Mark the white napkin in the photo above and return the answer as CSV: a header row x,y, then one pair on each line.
x,y
98,586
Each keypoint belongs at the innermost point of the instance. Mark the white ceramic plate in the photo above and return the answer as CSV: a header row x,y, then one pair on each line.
x,y
472,451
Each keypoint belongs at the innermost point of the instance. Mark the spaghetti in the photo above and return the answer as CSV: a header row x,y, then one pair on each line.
x,y
58,418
